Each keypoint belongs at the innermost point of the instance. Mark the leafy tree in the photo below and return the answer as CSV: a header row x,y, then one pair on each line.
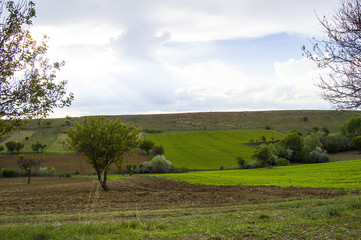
x,y
356,142
146,145
19,146
340,53
11,146
352,127
294,142
158,150
27,163
38,147
263,155
336,142
103,142
27,86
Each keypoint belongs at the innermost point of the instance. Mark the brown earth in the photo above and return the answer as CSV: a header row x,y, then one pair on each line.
x,y
79,194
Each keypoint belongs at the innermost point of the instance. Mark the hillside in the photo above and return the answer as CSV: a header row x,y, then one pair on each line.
x,y
282,121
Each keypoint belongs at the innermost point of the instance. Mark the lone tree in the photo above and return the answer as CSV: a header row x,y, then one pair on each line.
x,y
340,53
103,142
27,163
11,146
27,87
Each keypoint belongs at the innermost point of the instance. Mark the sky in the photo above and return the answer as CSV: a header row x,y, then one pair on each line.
x,y
167,56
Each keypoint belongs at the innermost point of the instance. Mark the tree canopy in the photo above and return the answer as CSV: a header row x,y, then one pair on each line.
x,y
340,54
103,142
27,78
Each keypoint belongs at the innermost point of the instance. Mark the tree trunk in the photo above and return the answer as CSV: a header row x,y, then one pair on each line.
x,y
103,182
29,177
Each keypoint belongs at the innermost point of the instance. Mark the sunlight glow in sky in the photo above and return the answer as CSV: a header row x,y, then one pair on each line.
x,y
161,56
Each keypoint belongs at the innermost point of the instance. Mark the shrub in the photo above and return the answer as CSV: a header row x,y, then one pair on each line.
x,y
11,146
318,156
146,145
9,172
241,162
158,150
336,142
53,172
221,167
253,164
263,156
43,171
159,164
131,168
356,142
282,162
1,148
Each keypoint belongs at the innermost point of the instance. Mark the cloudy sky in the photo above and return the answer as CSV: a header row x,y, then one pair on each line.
x,y
161,56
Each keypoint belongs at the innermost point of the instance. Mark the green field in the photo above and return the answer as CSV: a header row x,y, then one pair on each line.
x,y
209,149
340,175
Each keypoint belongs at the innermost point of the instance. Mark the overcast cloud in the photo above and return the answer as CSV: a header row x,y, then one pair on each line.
x,y
146,56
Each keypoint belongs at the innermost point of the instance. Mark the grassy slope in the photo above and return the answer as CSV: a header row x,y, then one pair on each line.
x,y
208,149
345,175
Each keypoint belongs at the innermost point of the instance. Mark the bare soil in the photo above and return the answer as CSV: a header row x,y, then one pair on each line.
x,y
78,194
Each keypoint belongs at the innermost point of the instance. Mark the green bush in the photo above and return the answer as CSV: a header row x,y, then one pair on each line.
x,y
282,162
9,172
336,142
318,156
159,164
241,162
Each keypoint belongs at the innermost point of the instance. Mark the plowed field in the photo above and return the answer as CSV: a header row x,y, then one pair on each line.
x,y
76,194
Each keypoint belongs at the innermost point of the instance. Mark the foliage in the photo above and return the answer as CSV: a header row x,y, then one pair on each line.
x,y
38,147
158,150
11,146
241,162
2,148
103,142
356,142
27,87
294,142
158,164
340,54
314,140
146,145
8,172
318,155
336,142
352,127
19,146
282,162
27,163
263,155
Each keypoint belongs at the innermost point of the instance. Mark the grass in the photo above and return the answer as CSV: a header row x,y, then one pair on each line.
x,y
209,149
339,175
272,219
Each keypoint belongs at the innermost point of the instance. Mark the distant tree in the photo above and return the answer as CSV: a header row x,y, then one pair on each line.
x,y
340,53
11,146
48,123
1,148
264,139
27,163
158,150
146,145
294,142
356,142
352,127
103,142
27,79
19,146
38,147
263,155
241,162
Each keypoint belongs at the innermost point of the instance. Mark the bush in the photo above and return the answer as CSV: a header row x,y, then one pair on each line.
x,y
131,168
146,145
43,171
159,164
9,172
253,164
158,150
263,156
282,162
241,162
221,167
336,142
2,148
318,156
